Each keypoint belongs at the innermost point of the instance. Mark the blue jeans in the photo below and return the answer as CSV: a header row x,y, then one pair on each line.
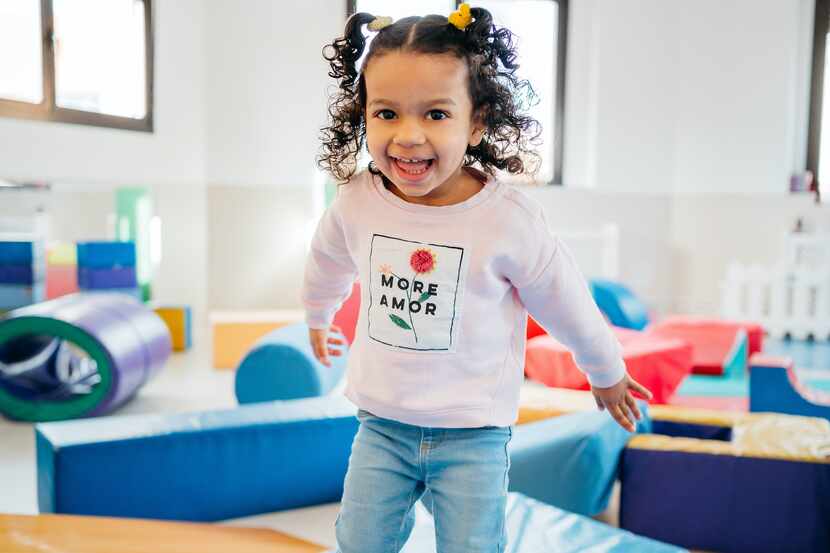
x,y
393,464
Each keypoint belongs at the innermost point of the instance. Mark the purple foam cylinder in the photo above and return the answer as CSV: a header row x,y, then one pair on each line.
x,y
136,340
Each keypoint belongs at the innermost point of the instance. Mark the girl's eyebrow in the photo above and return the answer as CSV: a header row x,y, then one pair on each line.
x,y
384,101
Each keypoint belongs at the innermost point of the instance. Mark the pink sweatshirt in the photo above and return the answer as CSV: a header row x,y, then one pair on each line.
x,y
445,292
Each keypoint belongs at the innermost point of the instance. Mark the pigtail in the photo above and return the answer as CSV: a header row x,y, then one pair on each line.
x,y
344,53
343,138
502,99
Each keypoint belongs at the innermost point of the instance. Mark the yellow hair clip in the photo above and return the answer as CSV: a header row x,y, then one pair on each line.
x,y
461,17
379,23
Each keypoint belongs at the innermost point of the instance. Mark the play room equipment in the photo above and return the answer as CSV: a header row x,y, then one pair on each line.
x,y
22,273
266,457
535,527
761,482
134,223
61,269
791,298
282,365
67,533
179,322
78,356
235,332
774,386
659,364
109,266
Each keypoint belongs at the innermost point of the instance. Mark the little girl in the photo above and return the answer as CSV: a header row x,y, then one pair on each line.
x,y
450,260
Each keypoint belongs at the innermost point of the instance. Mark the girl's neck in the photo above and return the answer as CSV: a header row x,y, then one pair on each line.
x,y
470,181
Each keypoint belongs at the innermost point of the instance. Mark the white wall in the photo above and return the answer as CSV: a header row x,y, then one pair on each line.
x,y
266,89
88,163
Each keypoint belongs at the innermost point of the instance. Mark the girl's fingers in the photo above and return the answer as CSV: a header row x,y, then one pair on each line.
x,y
599,403
632,406
335,352
335,328
621,417
640,389
336,340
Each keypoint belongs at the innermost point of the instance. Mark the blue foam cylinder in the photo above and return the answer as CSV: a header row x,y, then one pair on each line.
x,y
770,389
197,466
282,366
104,255
619,304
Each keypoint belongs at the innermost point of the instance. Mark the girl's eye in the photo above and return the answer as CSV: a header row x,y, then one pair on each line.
x,y
385,114
437,114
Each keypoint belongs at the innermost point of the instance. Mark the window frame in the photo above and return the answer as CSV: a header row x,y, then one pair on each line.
x,y
820,28
559,84
47,110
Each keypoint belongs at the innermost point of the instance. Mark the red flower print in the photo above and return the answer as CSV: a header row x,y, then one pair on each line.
x,y
422,261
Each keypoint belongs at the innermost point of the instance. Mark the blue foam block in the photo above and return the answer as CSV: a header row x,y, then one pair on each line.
x,y
13,296
570,461
19,253
105,279
282,365
197,466
619,304
770,389
104,255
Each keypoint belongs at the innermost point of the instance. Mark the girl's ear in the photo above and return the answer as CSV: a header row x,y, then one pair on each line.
x,y
478,129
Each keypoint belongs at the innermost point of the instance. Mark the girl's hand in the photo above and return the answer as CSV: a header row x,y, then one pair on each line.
x,y
320,342
619,401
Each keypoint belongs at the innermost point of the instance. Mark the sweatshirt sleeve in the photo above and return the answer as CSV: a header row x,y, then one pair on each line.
x,y
330,271
556,294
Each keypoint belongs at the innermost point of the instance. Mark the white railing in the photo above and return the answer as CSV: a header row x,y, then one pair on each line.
x,y
790,299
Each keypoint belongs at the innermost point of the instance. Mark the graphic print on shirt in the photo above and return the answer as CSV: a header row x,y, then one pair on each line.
x,y
415,293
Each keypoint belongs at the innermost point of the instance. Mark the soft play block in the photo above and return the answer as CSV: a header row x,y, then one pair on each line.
x,y
619,305
282,365
18,295
534,527
235,332
104,279
774,386
659,364
569,461
21,274
61,280
717,344
20,253
178,321
105,255
766,488
197,466
75,534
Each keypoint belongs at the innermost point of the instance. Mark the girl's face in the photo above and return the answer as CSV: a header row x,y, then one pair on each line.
x,y
419,122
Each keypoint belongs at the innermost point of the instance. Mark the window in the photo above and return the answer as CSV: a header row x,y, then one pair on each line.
x,y
87,62
818,152
541,30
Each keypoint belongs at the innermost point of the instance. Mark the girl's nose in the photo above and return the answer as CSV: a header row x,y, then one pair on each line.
x,y
408,133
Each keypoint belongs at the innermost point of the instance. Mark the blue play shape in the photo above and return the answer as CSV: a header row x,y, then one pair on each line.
x,y
619,304
770,389
282,366
105,255
197,466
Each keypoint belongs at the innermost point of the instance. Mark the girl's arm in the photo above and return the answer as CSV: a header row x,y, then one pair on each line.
x,y
329,273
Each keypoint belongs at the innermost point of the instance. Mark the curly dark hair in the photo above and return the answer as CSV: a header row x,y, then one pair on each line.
x,y
498,96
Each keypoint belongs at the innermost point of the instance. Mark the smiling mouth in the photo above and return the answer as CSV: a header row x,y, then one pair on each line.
x,y
412,166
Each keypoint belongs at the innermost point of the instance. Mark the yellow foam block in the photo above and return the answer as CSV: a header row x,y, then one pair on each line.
x,y
539,403
177,320
81,534
234,332
62,253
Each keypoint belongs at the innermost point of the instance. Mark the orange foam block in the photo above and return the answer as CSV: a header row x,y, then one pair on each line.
x,y
178,321
235,332
82,534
